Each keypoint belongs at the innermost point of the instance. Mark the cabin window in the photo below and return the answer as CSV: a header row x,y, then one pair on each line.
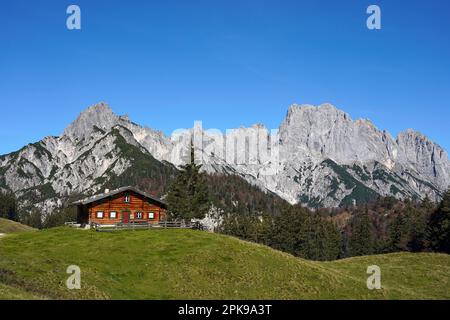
x,y
99,215
138,215
127,198
113,215
151,215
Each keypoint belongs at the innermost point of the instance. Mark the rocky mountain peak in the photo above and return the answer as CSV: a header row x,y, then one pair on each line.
x,y
309,114
425,156
411,139
98,117
412,136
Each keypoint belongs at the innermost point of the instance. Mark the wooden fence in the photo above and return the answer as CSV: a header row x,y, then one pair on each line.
x,y
146,226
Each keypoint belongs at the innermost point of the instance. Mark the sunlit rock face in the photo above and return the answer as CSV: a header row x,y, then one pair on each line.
x,y
319,157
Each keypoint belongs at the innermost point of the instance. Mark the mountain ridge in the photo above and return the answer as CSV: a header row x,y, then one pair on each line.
x,y
319,157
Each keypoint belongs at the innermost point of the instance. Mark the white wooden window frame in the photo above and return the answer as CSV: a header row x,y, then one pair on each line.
x,y
138,215
151,215
113,215
99,214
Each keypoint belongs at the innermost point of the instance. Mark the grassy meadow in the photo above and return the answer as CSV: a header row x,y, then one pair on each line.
x,y
188,264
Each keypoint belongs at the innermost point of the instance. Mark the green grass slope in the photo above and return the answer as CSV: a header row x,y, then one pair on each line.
x,y
8,226
12,293
187,264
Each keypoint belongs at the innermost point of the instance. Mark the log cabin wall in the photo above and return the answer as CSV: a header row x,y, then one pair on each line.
x,y
137,205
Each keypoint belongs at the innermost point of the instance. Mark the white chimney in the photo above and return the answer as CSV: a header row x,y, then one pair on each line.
x,y
106,190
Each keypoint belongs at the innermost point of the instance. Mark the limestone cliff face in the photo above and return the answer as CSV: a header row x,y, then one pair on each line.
x,y
324,158
428,159
324,132
318,157
409,166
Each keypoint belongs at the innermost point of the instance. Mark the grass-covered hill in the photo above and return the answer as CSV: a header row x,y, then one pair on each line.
x,y
9,226
187,264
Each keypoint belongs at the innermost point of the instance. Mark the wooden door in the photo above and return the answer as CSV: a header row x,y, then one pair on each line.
x,y
126,216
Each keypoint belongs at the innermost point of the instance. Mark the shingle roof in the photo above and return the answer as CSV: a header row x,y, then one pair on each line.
x,y
114,192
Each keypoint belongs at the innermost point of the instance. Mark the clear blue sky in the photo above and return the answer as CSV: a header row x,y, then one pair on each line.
x,y
225,62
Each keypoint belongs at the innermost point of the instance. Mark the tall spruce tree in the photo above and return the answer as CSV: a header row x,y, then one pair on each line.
x,y
8,206
418,223
304,234
32,218
188,194
361,241
439,226
398,233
